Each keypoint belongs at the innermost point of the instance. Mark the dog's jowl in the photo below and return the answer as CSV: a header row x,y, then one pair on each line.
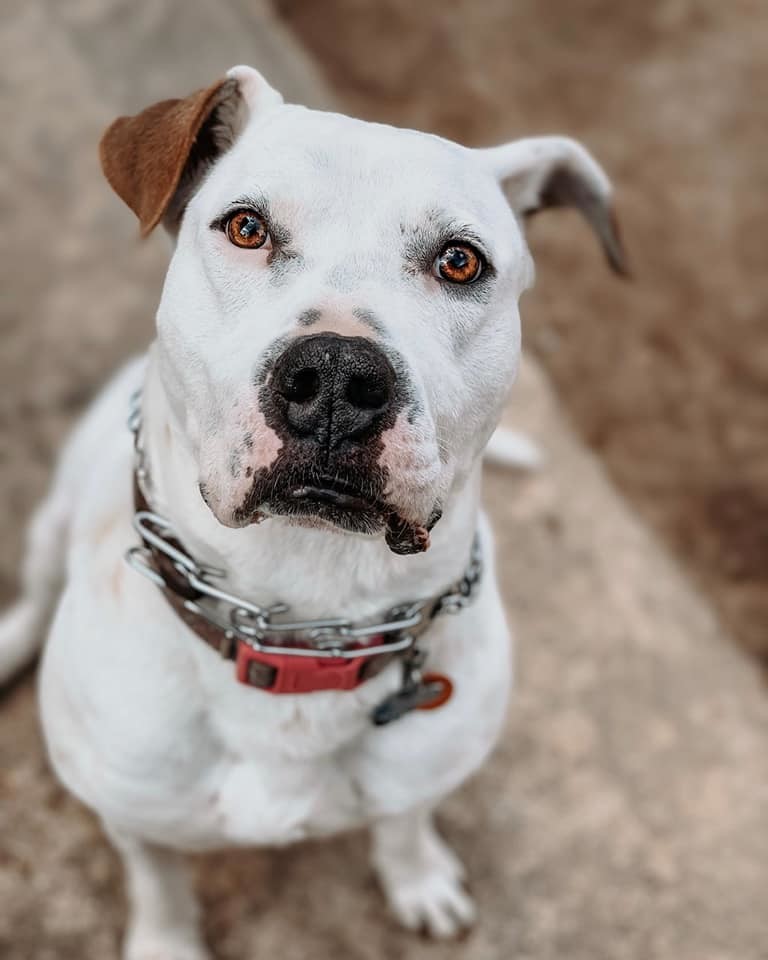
x,y
253,644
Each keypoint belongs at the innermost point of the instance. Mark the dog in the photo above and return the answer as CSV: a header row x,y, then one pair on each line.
x,y
307,636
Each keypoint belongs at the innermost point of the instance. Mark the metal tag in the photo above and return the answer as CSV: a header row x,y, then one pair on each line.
x,y
413,696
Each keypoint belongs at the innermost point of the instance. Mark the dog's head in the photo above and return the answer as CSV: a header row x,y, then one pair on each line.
x,y
339,324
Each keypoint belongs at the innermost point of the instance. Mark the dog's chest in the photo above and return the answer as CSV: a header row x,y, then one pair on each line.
x,y
151,728
271,789
192,775
184,755
202,762
280,800
290,766
283,768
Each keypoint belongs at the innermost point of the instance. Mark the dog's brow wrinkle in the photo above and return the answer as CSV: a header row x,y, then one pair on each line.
x,y
254,201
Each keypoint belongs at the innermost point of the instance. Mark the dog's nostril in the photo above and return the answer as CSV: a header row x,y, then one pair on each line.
x,y
365,394
331,390
303,386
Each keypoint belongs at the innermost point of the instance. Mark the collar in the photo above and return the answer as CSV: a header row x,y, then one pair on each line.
x,y
279,655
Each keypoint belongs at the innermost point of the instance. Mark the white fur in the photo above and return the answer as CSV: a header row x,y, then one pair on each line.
x,y
509,448
144,723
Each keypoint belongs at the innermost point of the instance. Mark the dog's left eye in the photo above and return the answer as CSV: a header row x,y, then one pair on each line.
x,y
246,228
458,263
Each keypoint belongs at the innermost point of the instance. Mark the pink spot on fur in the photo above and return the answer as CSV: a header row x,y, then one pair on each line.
x,y
336,314
410,457
264,443
344,324
232,458
403,452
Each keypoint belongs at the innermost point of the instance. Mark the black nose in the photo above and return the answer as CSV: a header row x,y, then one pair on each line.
x,y
333,388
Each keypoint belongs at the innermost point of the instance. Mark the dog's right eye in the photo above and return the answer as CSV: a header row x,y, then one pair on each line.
x,y
245,228
458,263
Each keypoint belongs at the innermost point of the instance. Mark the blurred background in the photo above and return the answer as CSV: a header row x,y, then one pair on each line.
x,y
667,379
626,813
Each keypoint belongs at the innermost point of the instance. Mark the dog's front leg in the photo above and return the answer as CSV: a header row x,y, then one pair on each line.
x,y
163,913
421,876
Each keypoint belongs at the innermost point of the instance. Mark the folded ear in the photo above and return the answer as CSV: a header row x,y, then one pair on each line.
x,y
540,172
155,160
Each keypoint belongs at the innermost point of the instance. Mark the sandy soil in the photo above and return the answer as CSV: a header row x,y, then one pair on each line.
x,y
666,377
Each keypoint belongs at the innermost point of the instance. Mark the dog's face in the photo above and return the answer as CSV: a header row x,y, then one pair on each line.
x,y
339,324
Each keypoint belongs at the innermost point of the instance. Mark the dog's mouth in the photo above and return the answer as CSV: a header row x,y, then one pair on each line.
x,y
326,500
338,503
335,493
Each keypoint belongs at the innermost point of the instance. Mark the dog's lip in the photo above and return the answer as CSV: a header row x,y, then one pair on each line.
x,y
336,493
342,504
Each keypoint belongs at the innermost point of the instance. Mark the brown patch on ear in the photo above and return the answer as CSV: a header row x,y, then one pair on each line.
x,y
564,188
144,157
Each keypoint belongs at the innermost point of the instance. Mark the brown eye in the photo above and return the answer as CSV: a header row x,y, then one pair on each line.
x,y
247,229
459,263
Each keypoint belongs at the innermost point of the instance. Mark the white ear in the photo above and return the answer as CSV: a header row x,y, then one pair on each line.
x,y
540,172
258,95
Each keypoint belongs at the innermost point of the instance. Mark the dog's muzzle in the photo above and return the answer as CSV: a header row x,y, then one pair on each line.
x,y
329,398
329,405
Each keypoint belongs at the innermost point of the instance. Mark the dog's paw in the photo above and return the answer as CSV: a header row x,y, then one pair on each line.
x,y
164,947
422,878
426,891
436,904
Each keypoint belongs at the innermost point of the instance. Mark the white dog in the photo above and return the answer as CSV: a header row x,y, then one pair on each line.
x,y
336,338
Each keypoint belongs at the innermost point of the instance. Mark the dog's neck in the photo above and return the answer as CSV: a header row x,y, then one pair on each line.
x,y
317,572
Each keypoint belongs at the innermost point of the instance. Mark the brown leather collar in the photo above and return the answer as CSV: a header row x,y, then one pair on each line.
x,y
279,669
178,591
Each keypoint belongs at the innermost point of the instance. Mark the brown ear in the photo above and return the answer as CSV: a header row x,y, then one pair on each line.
x,y
148,157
